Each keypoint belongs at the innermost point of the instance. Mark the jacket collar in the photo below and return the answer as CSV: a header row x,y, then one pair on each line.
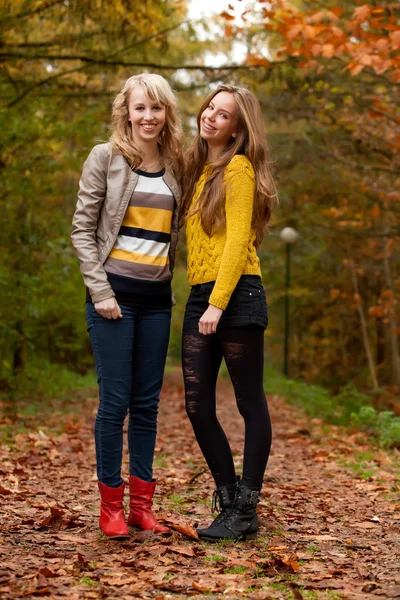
x,y
173,185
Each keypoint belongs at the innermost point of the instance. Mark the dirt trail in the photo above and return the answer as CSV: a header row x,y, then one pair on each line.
x,y
330,514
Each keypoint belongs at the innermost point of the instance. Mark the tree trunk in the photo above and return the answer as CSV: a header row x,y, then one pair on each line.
x,y
394,338
363,322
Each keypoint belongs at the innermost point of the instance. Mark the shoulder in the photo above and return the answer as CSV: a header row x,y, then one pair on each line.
x,y
100,153
102,150
240,165
104,157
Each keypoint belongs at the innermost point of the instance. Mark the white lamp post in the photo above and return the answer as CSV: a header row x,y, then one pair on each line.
x,y
289,236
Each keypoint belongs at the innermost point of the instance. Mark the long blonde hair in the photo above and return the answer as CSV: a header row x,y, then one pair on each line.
x,y
170,141
250,140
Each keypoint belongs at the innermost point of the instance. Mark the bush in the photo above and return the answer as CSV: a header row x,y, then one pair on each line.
x,y
349,406
384,426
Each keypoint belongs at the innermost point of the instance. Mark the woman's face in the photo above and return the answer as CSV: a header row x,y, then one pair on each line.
x,y
147,118
218,122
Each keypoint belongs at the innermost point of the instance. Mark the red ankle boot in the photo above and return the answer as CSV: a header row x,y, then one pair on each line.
x,y
112,518
141,499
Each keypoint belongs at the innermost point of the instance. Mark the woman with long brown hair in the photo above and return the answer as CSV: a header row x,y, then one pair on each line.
x,y
125,230
229,196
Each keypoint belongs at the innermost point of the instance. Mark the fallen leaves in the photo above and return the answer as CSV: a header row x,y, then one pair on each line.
x,y
57,521
186,530
319,522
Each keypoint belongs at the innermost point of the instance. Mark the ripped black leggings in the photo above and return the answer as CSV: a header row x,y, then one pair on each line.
x,y
243,351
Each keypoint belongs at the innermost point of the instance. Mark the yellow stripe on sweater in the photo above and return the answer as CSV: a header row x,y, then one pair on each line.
x,y
153,219
159,261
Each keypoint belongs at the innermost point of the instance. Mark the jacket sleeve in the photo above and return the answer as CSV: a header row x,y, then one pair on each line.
x,y
239,201
91,195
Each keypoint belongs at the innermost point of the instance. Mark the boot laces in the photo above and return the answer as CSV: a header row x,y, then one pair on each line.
x,y
232,516
216,502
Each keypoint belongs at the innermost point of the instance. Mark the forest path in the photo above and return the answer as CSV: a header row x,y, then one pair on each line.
x,y
330,513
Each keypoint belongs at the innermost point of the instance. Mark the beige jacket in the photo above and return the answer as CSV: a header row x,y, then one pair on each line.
x,y
105,189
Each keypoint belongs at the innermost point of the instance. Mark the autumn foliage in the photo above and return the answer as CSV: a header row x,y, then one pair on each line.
x,y
337,69
327,76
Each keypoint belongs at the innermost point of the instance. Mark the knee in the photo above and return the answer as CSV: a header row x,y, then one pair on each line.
x,y
197,412
192,408
253,407
112,411
145,412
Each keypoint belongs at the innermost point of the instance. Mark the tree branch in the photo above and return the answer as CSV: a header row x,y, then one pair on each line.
x,y
119,63
29,13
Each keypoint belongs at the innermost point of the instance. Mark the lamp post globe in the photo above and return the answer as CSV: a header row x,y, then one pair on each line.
x,y
289,235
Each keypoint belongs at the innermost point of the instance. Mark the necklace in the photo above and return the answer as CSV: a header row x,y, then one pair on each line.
x,y
143,168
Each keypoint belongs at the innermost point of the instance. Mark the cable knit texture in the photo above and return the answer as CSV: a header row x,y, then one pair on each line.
x,y
230,252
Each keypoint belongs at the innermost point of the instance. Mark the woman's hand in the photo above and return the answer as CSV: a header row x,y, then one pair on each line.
x,y
210,319
109,309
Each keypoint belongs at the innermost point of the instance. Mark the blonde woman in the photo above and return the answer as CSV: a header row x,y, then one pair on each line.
x,y
125,230
229,196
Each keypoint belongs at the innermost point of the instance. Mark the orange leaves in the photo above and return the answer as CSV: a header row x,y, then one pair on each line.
x,y
369,40
354,68
228,31
376,311
310,32
286,563
393,196
294,31
375,211
361,13
385,305
228,17
328,50
395,76
324,33
382,45
337,32
185,529
256,60
395,39
334,294
320,16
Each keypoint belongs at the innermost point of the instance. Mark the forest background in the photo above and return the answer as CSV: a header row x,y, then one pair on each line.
x,y
327,75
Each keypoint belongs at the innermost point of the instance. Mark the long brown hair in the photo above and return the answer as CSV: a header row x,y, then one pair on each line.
x,y
170,141
250,141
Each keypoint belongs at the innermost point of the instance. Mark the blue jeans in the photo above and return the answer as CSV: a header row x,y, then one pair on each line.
x,y
130,355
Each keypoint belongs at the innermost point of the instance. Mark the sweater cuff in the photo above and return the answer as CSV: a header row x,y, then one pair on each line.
x,y
219,300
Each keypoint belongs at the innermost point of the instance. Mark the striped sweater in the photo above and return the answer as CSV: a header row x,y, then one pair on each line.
x,y
138,265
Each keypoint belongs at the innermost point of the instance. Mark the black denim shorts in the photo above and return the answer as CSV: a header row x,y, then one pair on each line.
x,y
247,305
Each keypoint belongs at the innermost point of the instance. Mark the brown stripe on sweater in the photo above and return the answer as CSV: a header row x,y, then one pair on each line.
x,y
152,200
136,270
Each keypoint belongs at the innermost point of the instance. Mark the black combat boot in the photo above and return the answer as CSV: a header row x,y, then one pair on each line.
x,y
222,502
240,522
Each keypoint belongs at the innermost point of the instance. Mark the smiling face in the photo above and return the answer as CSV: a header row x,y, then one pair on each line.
x,y
218,121
147,117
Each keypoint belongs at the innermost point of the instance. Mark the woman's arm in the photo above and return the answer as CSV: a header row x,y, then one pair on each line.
x,y
239,201
91,195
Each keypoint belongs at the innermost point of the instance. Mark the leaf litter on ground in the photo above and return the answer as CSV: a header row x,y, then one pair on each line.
x,y
329,514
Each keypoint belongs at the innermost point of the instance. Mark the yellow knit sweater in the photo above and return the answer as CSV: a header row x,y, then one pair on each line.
x,y
230,252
